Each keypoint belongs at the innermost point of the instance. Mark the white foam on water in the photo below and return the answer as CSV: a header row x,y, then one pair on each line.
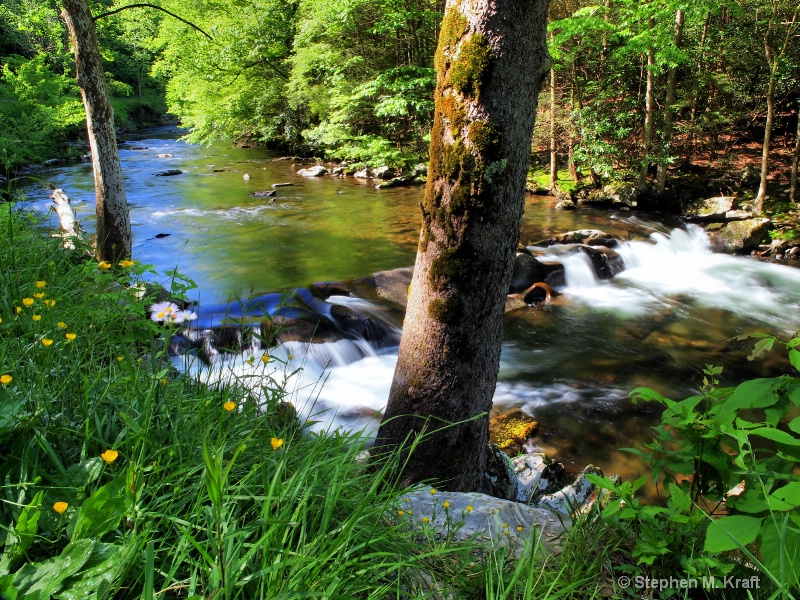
x,y
683,265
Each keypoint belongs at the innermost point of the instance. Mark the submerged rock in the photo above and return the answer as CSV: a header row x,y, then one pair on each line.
x,y
169,173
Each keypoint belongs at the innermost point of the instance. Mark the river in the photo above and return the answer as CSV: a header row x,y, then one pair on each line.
x,y
570,365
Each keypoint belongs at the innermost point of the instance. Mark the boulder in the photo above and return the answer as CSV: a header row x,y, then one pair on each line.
x,y
263,194
169,173
385,172
750,176
590,237
499,480
511,431
527,271
338,172
537,476
606,262
565,204
709,209
419,170
315,171
738,236
618,193
394,285
574,499
366,173
164,155
475,517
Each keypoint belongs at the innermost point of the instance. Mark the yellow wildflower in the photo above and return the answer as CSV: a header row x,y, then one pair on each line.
x,y
126,263
49,303
61,325
433,490
276,443
18,309
109,456
103,265
36,317
1,320
519,527
5,379
507,532
265,358
70,336
27,301
47,342
469,509
120,358
60,507
40,284
425,519
291,357
446,504
163,381
229,405
400,513
251,360
39,295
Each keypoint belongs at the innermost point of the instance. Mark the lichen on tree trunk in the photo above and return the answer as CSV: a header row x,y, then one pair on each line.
x,y
113,219
490,62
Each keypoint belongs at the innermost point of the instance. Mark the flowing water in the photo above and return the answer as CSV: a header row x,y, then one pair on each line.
x,y
570,364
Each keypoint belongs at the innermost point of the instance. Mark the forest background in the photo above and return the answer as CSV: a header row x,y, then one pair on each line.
x,y
636,85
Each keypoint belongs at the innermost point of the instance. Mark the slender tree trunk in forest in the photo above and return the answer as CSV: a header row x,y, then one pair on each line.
x,y
111,206
672,75
773,61
573,169
553,143
795,160
491,60
698,89
647,138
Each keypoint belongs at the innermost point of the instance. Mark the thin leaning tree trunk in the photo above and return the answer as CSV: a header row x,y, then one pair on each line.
x,y
795,160
647,139
553,143
111,206
490,62
672,76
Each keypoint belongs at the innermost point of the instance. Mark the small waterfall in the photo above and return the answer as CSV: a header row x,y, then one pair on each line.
x,y
579,271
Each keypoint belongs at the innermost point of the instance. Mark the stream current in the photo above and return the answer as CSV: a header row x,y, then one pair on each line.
x,y
570,364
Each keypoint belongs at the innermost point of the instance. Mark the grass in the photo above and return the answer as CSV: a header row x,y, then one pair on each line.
x,y
564,180
194,500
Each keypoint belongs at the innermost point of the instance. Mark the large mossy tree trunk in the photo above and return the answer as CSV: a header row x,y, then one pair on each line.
x,y
490,62
111,206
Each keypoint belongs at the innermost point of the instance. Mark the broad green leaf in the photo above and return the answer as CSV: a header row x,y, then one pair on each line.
x,y
761,348
789,493
9,408
776,435
23,534
729,533
103,566
44,579
794,424
779,546
755,393
102,511
752,501
7,589
794,358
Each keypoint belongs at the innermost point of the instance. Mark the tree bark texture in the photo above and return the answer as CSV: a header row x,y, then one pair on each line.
x,y
113,219
491,61
647,139
553,141
795,160
672,76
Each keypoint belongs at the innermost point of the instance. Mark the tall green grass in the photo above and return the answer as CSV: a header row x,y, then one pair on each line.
x,y
120,478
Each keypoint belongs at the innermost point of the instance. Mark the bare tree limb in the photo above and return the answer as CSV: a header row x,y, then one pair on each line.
x,y
146,5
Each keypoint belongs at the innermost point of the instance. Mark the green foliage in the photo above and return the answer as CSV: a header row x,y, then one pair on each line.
x,y
38,109
726,462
